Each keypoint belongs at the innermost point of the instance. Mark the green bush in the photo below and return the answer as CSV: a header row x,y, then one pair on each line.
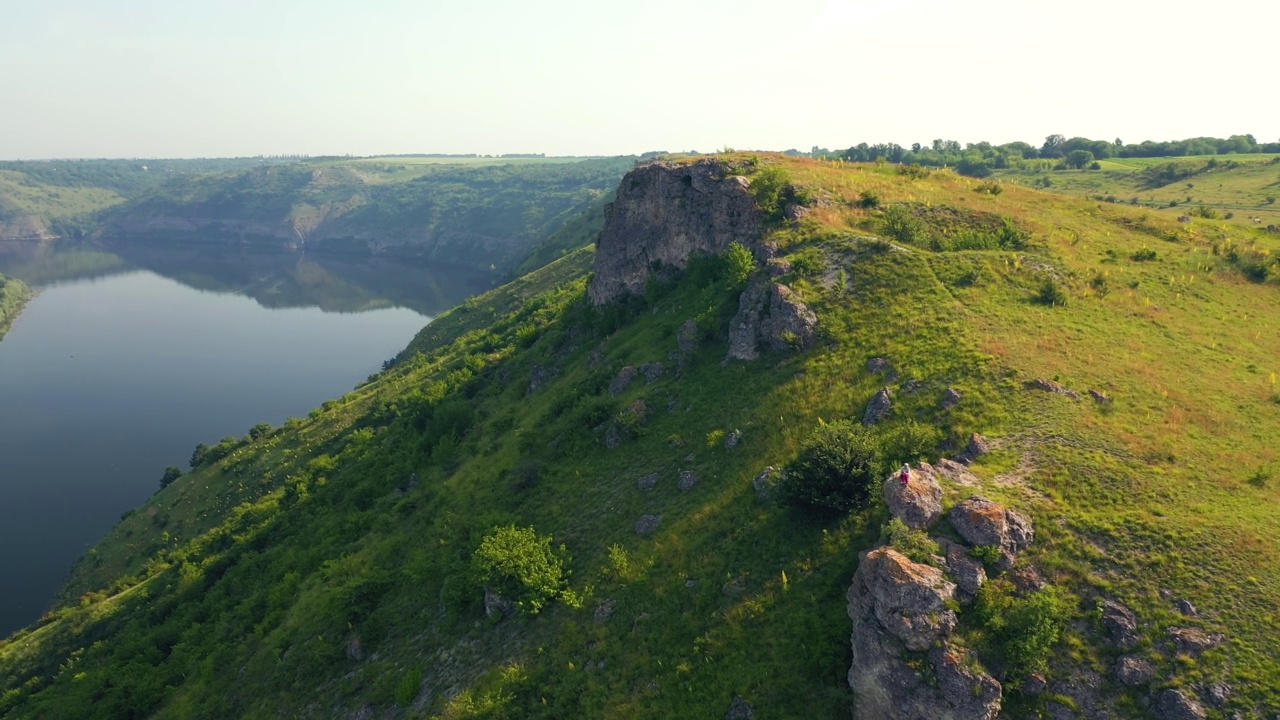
x,y
868,200
171,473
908,441
520,565
902,225
1143,255
837,467
1051,293
1022,630
770,187
915,544
739,264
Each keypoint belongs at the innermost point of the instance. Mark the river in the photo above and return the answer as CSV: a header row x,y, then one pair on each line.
x,y
125,360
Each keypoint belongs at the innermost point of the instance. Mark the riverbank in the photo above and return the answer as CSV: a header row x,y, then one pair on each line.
x,y
14,294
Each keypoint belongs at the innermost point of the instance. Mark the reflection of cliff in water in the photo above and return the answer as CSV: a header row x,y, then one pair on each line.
x,y
333,282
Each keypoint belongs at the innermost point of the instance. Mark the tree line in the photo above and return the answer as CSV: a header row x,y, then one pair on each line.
x,y
981,158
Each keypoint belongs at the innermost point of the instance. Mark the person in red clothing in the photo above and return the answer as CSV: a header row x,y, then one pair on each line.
x,y
905,475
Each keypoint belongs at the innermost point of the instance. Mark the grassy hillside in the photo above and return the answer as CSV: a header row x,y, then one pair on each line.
x,y
327,567
1242,189
13,295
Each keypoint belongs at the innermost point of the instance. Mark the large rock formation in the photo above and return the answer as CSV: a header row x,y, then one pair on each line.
x,y
665,214
917,503
769,315
896,606
985,522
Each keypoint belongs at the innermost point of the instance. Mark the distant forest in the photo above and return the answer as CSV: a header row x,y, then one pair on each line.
x,y
981,159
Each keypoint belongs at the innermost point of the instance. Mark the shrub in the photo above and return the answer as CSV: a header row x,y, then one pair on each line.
x,y
991,187
1051,293
260,431
769,187
913,171
835,471
868,200
908,441
739,264
520,565
1143,255
902,225
915,544
1099,284
1022,631
171,473
988,554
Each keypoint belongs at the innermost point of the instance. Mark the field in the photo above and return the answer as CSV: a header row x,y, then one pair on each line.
x,y
1246,186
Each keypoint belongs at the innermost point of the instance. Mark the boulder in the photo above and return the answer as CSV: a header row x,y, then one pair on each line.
x,y
1193,641
739,709
647,524
687,340
623,380
879,407
985,522
652,371
1177,705
770,316
1218,694
1186,608
951,398
877,365
496,606
604,610
977,447
1133,670
648,482
966,570
732,439
688,479
665,214
765,483
918,503
540,375
1050,386
1121,624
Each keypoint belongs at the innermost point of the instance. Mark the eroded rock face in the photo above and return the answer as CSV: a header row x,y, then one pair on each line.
x,y
769,316
966,570
918,503
985,522
907,599
665,214
1132,670
898,605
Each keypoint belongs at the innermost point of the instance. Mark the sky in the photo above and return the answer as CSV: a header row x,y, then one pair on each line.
x,y
199,78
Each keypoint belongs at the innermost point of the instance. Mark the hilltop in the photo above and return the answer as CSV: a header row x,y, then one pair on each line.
x,y
611,418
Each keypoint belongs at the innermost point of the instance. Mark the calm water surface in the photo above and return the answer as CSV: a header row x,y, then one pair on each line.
x,y
105,381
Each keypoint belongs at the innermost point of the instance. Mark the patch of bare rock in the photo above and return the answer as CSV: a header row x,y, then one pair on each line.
x,y
770,316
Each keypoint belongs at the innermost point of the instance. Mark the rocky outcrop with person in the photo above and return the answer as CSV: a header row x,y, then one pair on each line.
x,y
664,215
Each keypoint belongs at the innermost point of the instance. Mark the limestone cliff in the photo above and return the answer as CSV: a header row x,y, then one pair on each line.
x,y
666,213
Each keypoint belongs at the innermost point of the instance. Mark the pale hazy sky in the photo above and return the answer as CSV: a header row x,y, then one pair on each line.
x,y
182,78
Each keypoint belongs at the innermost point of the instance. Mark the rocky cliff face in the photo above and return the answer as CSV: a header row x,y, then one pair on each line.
x,y
665,214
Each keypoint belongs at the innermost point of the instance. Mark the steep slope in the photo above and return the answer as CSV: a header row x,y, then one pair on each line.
x,y
330,567
480,216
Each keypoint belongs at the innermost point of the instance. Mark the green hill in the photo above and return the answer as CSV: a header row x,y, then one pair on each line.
x,y
360,561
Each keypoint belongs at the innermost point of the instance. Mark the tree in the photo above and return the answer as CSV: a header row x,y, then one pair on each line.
x,y
1052,147
520,565
1079,158
199,455
171,473
259,431
835,471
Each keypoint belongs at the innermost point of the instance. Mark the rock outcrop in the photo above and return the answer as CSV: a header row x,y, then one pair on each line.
x,y
917,503
665,214
1178,705
898,605
770,316
1121,624
985,522
878,408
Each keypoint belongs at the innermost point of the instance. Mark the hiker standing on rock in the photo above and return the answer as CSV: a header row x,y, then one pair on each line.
x,y
905,475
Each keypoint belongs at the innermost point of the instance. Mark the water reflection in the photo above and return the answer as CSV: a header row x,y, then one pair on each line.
x,y
330,281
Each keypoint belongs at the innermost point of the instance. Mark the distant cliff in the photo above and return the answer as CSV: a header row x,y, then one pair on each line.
x,y
485,217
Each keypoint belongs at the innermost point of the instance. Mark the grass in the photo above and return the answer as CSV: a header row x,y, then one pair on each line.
x,y
277,557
